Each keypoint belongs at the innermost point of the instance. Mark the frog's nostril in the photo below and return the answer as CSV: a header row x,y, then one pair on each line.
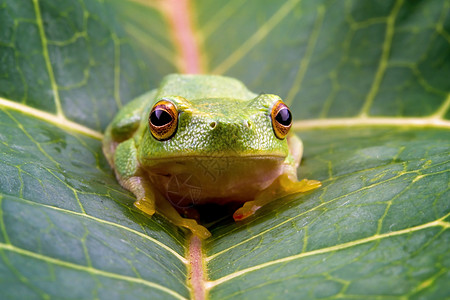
x,y
213,124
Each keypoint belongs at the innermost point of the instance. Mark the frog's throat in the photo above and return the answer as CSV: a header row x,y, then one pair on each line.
x,y
219,180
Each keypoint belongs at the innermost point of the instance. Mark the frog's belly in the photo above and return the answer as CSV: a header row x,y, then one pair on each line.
x,y
217,180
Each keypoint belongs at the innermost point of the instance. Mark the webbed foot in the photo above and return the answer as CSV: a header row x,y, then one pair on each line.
x,y
194,227
166,209
146,205
281,187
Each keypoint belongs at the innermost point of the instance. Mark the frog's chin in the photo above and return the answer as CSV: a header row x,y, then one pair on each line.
x,y
219,180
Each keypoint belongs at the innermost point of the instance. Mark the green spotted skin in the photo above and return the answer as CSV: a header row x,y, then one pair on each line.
x,y
224,145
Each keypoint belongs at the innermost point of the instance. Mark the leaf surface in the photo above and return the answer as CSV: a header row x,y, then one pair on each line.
x,y
367,84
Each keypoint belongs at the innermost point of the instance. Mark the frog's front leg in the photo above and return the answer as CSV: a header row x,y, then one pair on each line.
x,y
128,173
282,186
148,199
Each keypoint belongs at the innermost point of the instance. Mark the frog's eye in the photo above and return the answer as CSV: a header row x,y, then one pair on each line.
x,y
163,120
281,119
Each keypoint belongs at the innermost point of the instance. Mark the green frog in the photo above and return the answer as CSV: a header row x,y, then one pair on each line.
x,y
204,139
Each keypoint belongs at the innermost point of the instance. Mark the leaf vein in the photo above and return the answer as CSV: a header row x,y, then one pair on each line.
x,y
155,241
90,270
438,223
296,85
51,118
48,63
386,48
324,203
256,38
432,121
211,257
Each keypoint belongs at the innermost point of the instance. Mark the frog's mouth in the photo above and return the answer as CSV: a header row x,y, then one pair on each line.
x,y
224,165
186,157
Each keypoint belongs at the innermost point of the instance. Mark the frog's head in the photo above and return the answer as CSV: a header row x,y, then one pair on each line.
x,y
223,127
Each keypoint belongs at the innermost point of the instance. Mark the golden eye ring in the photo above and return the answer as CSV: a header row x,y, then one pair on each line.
x,y
163,120
281,119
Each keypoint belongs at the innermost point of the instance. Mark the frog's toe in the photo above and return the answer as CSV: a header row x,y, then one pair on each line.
x,y
195,228
146,206
248,209
267,196
303,186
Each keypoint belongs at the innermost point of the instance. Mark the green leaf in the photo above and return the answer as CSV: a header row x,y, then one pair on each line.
x,y
368,86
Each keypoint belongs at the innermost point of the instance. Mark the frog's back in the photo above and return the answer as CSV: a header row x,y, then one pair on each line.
x,y
194,87
126,123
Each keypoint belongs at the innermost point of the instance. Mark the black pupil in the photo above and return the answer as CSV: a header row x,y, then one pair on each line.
x,y
284,117
160,117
